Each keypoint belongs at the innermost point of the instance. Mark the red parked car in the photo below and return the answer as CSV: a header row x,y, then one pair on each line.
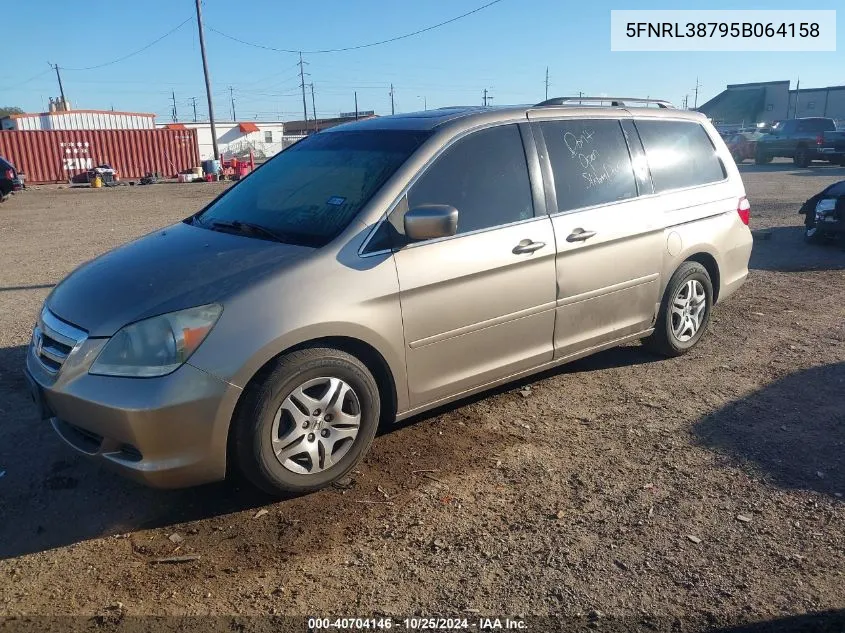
x,y
742,145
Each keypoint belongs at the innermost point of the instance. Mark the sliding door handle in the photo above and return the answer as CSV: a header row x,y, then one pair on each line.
x,y
580,235
527,246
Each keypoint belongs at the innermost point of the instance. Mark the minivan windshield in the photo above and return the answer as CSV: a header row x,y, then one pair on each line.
x,y
310,192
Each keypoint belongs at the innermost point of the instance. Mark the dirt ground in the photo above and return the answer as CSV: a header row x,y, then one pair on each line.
x,y
698,492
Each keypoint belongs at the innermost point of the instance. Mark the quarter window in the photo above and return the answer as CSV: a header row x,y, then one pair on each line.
x,y
590,162
484,176
680,154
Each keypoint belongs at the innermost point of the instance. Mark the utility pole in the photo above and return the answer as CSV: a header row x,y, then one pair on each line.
x,y
302,74
194,102
232,101
174,114
314,108
797,95
547,83
59,77
697,86
356,105
207,83
486,98
392,106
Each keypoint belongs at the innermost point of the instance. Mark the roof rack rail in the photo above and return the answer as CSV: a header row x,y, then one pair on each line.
x,y
614,101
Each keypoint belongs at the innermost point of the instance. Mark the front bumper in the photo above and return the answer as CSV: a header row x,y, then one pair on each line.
x,y
166,432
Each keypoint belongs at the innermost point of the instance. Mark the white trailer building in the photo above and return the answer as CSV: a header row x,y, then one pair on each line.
x,y
264,138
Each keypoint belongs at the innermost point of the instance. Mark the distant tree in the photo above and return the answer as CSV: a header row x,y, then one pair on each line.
x,y
7,110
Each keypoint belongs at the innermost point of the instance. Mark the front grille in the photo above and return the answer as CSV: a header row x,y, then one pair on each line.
x,y
53,340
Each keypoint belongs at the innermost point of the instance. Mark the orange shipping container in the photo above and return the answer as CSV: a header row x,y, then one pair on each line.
x,y
59,155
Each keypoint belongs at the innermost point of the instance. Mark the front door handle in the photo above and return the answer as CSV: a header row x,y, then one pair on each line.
x,y
580,235
527,246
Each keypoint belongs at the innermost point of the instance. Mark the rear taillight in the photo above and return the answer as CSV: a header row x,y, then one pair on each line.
x,y
10,174
820,139
744,210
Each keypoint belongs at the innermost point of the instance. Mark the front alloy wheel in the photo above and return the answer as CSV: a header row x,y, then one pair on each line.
x,y
316,425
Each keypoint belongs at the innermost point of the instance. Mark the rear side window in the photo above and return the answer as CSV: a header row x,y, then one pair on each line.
x,y
590,162
680,154
816,125
484,176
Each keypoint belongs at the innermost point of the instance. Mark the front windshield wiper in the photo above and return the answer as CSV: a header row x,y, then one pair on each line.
x,y
247,227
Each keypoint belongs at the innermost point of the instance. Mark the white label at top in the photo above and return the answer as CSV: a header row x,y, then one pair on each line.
x,y
728,30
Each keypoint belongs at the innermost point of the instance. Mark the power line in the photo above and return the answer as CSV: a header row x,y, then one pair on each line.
x,y
140,50
26,81
359,46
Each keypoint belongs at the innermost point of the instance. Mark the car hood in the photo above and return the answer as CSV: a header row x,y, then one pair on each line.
x,y
178,267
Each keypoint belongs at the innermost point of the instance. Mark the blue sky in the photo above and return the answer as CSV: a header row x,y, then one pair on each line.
x,y
504,48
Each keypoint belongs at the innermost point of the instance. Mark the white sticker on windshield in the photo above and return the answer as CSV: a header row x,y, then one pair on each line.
x,y
336,201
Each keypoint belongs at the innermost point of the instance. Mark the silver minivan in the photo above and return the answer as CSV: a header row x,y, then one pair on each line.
x,y
382,268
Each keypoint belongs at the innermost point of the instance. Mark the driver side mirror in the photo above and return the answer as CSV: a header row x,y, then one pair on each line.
x,y
429,221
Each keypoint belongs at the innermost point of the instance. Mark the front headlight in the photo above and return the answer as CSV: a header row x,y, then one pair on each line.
x,y
825,206
156,346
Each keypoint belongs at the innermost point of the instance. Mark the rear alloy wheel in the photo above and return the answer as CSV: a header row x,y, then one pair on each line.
x,y
684,311
802,157
307,423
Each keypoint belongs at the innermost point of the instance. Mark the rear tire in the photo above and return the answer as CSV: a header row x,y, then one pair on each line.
x,y
761,158
802,157
307,423
684,311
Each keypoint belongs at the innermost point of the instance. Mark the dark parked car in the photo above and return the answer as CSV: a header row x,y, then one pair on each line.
x,y
824,214
9,180
802,140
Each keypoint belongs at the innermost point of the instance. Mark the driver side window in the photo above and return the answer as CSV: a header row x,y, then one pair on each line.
x,y
484,176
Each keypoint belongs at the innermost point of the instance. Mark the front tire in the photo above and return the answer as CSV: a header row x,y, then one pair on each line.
x,y
761,158
813,234
684,312
307,423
